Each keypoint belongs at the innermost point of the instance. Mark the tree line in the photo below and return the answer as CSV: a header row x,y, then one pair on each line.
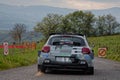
x,y
78,22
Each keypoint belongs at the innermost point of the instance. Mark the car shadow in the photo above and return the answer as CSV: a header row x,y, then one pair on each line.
x,y
59,72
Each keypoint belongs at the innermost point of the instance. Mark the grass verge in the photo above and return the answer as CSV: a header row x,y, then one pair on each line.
x,y
22,57
112,43
19,57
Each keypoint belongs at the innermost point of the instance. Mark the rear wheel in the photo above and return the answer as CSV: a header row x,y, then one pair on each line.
x,y
41,68
90,70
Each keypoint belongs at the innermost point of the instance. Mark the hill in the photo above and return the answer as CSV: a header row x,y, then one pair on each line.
x,y
28,36
115,11
30,15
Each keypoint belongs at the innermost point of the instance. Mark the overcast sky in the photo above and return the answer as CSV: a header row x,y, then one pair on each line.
x,y
74,4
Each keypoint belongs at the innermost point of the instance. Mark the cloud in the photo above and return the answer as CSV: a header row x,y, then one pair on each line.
x,y
74,4
87,4
101,1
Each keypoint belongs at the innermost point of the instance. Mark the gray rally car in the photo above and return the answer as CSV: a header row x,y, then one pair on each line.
x,y
66,52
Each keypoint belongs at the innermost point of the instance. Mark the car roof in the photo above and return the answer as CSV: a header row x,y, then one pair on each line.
x,y
72,35
66,34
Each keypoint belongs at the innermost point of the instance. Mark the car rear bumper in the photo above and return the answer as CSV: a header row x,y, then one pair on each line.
x,y
65,66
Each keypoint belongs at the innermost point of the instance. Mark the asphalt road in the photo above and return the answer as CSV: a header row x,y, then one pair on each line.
x,y
104,70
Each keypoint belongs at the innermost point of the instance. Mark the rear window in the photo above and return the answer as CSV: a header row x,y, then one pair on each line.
x,y
68,40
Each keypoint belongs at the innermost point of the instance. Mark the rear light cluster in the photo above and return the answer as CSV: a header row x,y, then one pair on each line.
x,y
86,50
46,49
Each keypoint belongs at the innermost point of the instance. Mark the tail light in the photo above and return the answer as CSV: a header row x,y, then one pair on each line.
x,y
86,50
46,49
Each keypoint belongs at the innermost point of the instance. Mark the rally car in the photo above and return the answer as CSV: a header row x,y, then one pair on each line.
x,y
66,52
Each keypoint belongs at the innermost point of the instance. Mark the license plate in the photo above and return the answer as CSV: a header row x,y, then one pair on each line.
x,y
62,59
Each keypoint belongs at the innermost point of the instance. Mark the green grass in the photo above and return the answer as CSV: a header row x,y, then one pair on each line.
x,y
22,57
110,42
19,57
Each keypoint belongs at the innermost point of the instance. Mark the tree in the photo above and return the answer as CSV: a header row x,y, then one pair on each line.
x,y
106,25
100,24
111,24
49,24
65,26
17,32
89,21
81,22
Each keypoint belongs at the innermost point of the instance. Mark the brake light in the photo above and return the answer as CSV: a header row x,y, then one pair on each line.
x,y
86,50
46,49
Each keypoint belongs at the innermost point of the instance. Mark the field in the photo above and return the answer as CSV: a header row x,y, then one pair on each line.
x,y
112,43
19,57
25,57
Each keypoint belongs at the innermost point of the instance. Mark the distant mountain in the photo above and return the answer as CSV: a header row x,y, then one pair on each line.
x,y
115,11
30,15
5,36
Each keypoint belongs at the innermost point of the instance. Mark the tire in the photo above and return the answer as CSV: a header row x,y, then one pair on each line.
x,y
90,71
41,68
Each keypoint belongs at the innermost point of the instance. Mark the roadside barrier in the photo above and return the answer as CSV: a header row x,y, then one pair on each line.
x,y
21,47
25,45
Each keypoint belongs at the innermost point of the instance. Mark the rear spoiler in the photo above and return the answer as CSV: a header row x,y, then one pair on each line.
x,y
65,34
